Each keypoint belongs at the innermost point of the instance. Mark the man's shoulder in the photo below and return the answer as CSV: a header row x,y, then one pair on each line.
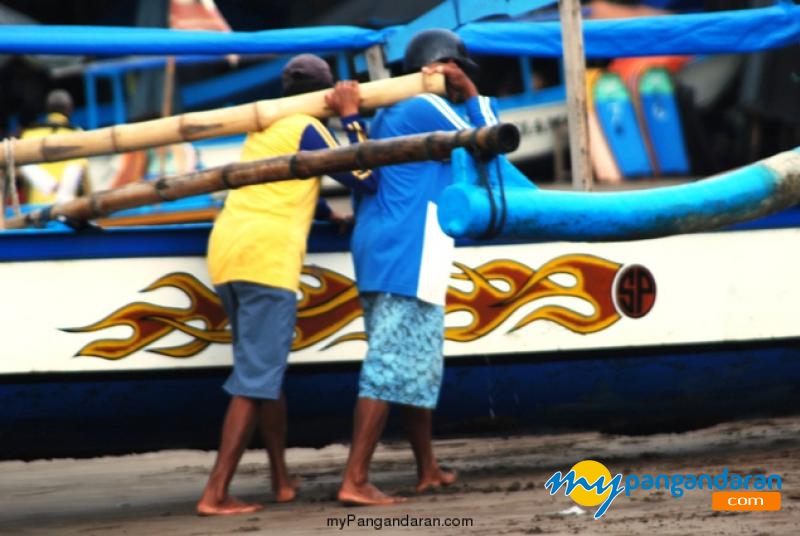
x,y
424,102
48,128
288,127
298,121
37,131
411,115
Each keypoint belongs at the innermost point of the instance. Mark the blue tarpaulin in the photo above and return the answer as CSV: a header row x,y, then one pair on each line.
x,y
725,32
117,41
710,33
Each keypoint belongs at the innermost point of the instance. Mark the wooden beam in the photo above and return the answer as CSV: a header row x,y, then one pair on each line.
x,y
376,65
575,78
502,138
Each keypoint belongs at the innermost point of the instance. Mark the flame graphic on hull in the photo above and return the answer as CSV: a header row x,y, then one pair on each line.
x,y
489,305
152,322
326,309
496,290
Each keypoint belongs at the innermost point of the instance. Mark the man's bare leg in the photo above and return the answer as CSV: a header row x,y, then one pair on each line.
x,y
236,433
419,422
369,419
273,433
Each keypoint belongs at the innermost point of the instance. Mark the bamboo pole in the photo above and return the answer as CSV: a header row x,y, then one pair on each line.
x,y
212,123
500,138
575,77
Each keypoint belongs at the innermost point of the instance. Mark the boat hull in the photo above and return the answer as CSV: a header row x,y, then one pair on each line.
x,y
122,348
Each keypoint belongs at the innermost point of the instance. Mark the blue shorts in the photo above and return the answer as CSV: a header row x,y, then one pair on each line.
x,y
262,319
404,363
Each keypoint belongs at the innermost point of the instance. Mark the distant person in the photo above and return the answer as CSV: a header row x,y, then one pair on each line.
x,y
678,5
255,256
155,162
611,9
402,262
148,164
55,182
608,9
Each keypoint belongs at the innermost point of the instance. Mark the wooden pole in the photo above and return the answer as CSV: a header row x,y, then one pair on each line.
x,y
376,67
10,181
575,76
2,200
213,123
166,109
502,138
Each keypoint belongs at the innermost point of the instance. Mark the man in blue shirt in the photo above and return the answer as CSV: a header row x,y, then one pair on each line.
x,y
402,262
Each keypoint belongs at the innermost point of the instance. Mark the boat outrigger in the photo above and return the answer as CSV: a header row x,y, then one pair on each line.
x,y
641,310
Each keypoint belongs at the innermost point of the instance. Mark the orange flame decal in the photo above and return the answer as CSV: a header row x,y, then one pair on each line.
x,y
498,289
152,322
490,304
325,309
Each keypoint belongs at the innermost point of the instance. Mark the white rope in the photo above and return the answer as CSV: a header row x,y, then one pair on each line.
x,y
11,176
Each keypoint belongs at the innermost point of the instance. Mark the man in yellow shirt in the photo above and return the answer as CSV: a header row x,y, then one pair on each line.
x,y
255,256
55,182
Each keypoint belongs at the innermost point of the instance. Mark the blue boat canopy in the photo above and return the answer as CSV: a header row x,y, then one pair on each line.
x,y
117,41
705,33
724,32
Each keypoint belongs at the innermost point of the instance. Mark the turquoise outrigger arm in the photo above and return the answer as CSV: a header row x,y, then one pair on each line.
x,y
494,199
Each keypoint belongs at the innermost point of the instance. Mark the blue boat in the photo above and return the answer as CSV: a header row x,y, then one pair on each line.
x,y
113,340
119,347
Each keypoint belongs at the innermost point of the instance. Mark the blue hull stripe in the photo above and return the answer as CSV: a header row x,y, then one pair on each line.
x,y
192,239
632,389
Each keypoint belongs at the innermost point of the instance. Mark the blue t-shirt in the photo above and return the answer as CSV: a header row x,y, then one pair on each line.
x,y
398,246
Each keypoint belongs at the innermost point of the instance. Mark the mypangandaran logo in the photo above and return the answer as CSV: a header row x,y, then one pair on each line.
x,y
589,483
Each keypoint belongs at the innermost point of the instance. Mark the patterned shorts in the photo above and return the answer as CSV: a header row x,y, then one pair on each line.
x,y
404,363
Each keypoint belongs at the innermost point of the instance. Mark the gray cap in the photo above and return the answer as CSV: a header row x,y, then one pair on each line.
x,y
305,73
59,101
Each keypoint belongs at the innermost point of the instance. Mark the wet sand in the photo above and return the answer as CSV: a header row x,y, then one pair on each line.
x,y
501,487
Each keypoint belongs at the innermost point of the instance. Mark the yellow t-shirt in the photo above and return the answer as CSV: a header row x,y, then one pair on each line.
x,y
56,124
260,235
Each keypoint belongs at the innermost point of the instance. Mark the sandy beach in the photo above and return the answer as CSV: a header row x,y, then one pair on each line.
x,y
500,491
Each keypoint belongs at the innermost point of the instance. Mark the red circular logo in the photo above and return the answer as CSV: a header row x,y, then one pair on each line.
x,y
636,291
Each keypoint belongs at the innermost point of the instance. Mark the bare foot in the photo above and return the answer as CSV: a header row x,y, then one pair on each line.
x,y
366,495
440,477
286,492
227,507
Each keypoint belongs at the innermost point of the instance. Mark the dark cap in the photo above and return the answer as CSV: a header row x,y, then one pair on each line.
x,y
59,101
437,44
305,73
